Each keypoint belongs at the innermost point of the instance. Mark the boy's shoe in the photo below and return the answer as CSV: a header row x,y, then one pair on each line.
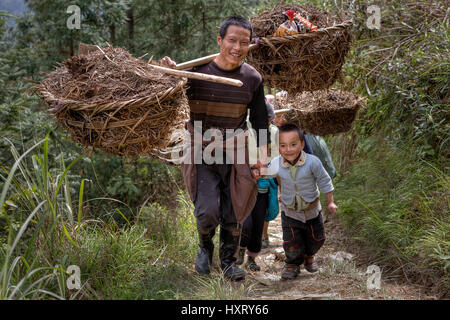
x,y
290,271
252,265
240,258
265,243
311,265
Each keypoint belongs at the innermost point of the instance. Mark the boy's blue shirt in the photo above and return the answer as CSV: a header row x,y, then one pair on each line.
x,y
272,187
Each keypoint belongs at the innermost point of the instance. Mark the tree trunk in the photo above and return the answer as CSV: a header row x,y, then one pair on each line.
x,y
72,53
130,22
112,32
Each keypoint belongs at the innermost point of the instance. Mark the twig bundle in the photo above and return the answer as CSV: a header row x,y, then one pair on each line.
x,y
322,112
109,100
301,62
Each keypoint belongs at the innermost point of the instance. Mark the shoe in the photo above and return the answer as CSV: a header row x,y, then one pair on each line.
x,y
205,252
241,257
265,243
311,265
252,265
229,242
290,271
233,273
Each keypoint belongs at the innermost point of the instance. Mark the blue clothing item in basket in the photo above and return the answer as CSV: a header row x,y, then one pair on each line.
x,y
269,186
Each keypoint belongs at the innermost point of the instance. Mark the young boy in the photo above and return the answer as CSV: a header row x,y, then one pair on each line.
x,y
299,175
278,121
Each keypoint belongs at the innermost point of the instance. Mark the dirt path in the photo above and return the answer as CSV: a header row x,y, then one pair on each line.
x,y
339,276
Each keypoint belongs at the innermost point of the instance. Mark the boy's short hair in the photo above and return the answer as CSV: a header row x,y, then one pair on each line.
x,y
288,127
235,21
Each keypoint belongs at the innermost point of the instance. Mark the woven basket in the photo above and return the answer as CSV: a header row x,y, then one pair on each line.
x,y
302,62
323,112
126,126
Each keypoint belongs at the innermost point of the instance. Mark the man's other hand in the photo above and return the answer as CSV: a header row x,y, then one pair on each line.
x,y
255,174
167,62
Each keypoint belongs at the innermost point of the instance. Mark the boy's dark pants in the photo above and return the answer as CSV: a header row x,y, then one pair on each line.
x,y
300,239
252,228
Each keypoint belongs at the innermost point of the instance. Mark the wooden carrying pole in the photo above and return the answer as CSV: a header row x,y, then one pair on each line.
x,y
198,76
87,48
282,111
202,60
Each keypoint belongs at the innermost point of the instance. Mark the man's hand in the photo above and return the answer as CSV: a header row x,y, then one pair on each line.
x,y
262,162
167,62
255,174
332,207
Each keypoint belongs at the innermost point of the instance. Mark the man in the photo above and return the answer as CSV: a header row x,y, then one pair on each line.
x,y
225,193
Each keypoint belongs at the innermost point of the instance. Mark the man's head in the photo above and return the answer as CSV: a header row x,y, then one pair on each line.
x,y
234,39
235,21
270,97
291,142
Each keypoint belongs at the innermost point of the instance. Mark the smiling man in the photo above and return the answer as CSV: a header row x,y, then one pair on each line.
x,y
224,193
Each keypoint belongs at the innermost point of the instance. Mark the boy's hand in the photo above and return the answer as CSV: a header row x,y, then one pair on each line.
x,y
332,207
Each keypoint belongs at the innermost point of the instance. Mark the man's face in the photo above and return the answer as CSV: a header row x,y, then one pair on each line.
x,y
233,47
290,145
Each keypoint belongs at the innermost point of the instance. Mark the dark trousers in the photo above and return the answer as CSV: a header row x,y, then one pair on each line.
x,y
251,237
300,239
213,201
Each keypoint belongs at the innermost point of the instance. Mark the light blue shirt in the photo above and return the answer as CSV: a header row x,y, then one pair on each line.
x,y
309,177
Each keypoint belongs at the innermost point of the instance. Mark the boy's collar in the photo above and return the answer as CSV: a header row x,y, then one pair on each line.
x,y
300,162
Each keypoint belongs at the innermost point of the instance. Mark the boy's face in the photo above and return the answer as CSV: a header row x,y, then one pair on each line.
x,y
290,145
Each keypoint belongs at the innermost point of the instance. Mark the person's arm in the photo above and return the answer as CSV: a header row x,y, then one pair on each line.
x,y
325,184
259,120
323,179
279,188
307,147
332,207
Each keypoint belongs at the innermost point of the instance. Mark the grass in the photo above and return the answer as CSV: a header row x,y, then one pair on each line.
x,y
396,206
44,231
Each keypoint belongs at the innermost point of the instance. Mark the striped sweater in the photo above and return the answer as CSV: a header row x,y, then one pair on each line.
x,y
224,106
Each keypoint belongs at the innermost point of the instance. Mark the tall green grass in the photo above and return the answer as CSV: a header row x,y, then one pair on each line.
x,y
44,231
397,207
20,276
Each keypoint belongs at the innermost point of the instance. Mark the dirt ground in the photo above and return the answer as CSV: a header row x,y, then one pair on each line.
x,y
340,277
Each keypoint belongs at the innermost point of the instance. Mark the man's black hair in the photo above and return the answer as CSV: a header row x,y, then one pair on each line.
x,y
288,127
235,21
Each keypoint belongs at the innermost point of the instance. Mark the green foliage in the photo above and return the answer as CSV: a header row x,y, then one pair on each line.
x,y
393,185
42,234
398,209
403,70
